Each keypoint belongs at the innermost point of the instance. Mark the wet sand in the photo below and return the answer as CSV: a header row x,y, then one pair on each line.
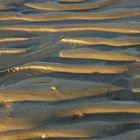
x,y
69,70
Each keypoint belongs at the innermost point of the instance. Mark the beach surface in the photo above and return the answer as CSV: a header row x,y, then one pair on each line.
x,y
70,69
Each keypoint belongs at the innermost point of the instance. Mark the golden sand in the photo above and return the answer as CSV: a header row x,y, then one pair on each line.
x,y
84,53
69,69
93,41
116,13
124,28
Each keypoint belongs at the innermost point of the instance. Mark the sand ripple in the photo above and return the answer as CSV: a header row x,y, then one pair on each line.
x,y
69,69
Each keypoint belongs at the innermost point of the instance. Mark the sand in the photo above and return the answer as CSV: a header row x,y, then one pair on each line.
x,y
69,70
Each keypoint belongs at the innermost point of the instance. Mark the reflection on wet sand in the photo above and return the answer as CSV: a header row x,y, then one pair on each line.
x,y
69,69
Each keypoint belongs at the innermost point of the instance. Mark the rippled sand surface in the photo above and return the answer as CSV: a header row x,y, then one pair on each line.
x,y
69,69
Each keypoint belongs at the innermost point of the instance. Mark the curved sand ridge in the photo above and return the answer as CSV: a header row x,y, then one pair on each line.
x,y
79,130
26,115
116,13
120,27
75,108
14,51
71,68
54,6
136,90
91,41
45,89
85,53
16,39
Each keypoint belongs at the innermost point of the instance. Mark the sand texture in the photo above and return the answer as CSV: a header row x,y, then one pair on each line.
x,y
70,69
